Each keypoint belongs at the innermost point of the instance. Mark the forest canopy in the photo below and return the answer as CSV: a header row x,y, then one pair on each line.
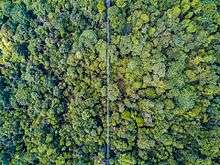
x,y
164,89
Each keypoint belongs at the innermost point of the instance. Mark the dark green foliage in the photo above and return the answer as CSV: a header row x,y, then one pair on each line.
x,y
164,91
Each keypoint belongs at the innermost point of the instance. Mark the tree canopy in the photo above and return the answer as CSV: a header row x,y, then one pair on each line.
x,y
164,90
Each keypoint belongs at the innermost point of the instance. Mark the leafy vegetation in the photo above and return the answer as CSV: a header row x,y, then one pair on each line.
x,y
164,91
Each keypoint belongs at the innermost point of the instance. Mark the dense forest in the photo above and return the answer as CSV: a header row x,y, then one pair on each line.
x,y
164,89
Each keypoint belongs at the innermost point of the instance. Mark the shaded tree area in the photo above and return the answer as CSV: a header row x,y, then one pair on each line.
x,y
52,71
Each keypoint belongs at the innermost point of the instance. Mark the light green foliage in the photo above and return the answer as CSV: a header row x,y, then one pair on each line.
x,y
144,141
187,98
169,80
138,19
101,6
88,38
191,28
125,45
121,3
126,159
174,12
22,95
117,18
113,92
